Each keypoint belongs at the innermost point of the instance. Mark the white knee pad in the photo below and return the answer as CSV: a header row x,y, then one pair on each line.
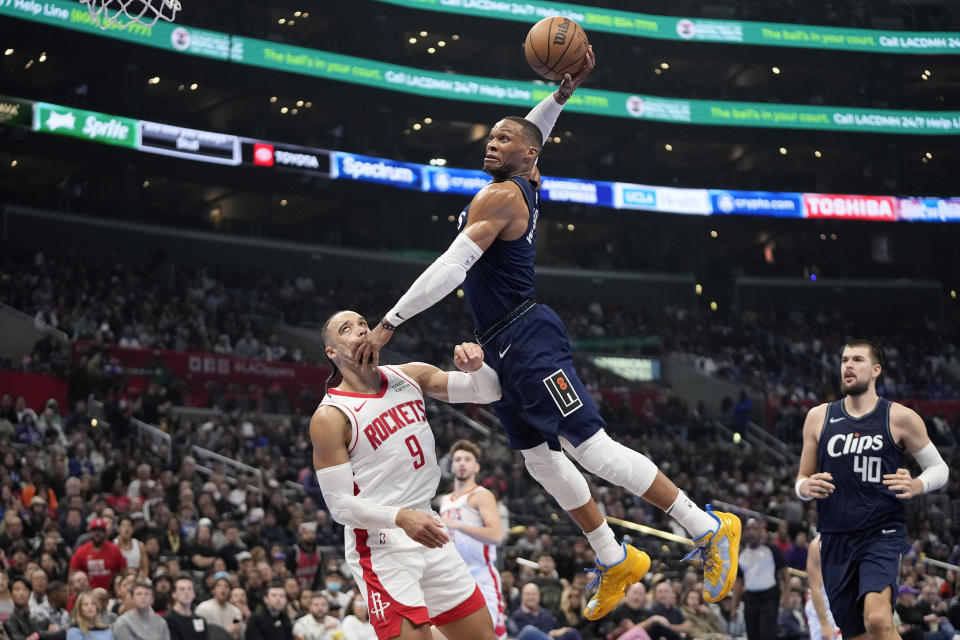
x,y
558,475
614,462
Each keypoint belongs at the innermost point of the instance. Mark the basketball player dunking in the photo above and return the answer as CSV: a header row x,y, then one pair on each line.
x,y
377,467
470,512
851,463
545,405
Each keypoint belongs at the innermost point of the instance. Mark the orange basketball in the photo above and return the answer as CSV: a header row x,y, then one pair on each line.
x,y
555,46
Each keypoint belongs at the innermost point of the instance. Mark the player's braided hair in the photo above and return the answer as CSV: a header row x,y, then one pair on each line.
x,y
334,371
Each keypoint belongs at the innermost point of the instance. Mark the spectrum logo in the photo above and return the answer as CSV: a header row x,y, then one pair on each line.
x,y
263,154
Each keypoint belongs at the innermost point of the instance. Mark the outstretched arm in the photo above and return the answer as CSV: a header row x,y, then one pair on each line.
x,y
475,382
491,211
330,433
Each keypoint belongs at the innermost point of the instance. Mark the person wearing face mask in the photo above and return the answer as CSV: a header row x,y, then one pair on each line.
x,y
334,590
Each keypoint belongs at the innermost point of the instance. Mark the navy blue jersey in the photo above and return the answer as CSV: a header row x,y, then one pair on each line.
x,y
857,452
504,276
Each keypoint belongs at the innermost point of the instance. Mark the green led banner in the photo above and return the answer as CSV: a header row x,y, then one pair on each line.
x,y
522,94
644,25
89,125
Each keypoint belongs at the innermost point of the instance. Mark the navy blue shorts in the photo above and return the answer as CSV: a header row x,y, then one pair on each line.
x,y
855,564
543,398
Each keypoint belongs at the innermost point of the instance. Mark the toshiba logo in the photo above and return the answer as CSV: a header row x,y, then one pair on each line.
x,y
263,154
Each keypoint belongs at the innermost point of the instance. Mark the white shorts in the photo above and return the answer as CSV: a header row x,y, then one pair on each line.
x,y
404,579
488,579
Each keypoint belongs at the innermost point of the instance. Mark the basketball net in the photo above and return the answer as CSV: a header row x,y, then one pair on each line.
x,y
121,14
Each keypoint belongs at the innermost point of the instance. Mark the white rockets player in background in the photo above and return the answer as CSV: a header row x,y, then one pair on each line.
x,y
819,617
471,514
377,467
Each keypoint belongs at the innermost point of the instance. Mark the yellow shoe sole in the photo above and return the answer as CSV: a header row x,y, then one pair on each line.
x,y
594,611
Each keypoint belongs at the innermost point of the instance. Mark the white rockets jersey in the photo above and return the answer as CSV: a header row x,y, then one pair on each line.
x,y
479,556
391,447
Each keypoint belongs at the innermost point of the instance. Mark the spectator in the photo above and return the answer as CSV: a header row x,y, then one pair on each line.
x,y
141,622
796,555
631,620
548,581
665,605
304,561
87,624
705,624
912,624
132,549
356,625
201,552
529,546
271,622
572,604
762,571
38,587
333,583
791,621
18,624
238,598
934,612
54,612
79,582
533,622
293,590
317,624
218,610
183,623
100,559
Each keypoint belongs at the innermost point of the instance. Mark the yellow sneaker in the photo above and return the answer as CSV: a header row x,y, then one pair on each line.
x,y
718,552
613,581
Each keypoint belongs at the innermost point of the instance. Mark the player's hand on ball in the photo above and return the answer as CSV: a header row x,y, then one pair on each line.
x,y
571,83
902,484
468,357
422,528
819,485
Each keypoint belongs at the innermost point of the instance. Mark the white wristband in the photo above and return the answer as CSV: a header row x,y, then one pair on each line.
x,y
800,494
443,276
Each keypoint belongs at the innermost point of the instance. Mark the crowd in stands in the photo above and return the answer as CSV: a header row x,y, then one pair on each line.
x,y
101,532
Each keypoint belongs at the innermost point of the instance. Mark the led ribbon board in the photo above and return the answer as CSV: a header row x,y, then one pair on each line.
x,y
432,84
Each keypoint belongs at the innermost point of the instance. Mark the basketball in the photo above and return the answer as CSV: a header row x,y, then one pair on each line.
x,y
555,46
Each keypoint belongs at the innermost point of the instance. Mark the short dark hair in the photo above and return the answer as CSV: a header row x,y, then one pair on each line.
x,y
530,131
181,577
275,584
22,579
142,584
876,353
465,445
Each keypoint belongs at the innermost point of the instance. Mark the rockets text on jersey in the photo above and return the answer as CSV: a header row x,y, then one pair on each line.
x,y
391,447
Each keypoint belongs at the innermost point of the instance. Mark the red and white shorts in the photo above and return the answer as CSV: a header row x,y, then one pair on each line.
x,y
404,579
488,579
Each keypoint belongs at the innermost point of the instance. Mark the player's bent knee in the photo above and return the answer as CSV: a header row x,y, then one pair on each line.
x,y
879,624
615,463
558,476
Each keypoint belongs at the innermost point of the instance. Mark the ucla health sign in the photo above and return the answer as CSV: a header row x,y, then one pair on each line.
x,y
757,203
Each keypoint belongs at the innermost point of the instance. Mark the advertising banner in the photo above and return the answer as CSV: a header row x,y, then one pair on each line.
x,y
929,209
350,166
757,203
15,112
289,157
643,25
437,84
850,207
195,370
193,144
89,125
